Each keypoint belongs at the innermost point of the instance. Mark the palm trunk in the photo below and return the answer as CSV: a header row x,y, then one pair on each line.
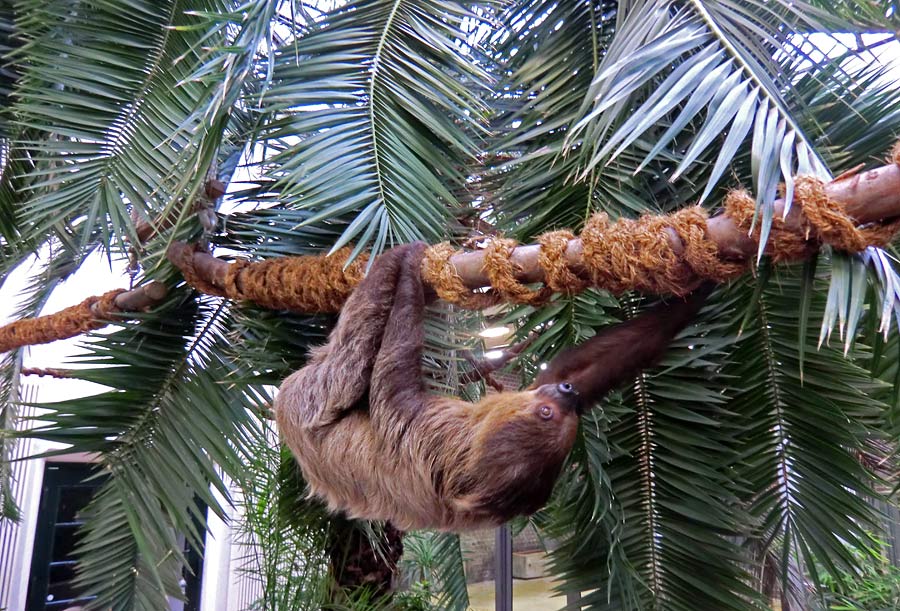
x,y
361,567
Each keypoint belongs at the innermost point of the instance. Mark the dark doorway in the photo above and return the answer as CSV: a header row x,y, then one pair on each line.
x,y
64,494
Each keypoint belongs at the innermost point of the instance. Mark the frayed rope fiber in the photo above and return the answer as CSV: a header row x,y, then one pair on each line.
x,y
92,313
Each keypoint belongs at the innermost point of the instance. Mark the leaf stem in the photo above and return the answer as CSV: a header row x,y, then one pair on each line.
x,y
376,62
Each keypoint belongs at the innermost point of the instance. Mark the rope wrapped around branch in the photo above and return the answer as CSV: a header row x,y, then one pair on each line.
x,y
625,255
313,283
617,256
637,254
92,313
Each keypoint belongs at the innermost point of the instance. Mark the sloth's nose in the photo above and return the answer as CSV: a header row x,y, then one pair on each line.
x,y
566,388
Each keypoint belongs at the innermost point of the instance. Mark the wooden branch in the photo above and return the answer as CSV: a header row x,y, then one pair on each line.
x,y
52,372
868,197
141,298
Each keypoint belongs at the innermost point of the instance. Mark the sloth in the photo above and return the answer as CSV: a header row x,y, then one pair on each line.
x,y
373,443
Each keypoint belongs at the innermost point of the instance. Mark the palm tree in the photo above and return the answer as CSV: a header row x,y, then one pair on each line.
x,y
731,474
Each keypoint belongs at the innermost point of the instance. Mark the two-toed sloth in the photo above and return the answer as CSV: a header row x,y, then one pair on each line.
x,y
373,443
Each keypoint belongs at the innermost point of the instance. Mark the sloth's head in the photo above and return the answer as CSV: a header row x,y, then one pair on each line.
x,y
520,442
543,420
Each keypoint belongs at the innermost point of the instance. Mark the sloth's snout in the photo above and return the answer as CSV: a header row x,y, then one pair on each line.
x,y
563,393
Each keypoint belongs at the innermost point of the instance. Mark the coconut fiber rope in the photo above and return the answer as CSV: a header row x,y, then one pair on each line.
x,y
637,254
628,254
311,283
92,313
625,255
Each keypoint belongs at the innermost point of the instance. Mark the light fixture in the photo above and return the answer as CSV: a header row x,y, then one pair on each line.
x,y
496,332
493,354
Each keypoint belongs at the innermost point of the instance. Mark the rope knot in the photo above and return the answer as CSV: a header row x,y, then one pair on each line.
x,y
502,270
439,272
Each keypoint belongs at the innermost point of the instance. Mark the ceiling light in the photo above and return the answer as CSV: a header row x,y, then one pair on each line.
x,y
495,332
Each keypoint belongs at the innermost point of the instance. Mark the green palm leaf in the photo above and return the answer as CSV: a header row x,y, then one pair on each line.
x,y
103,104
47,276
165,432
793,426
727,54
371,115
536,101
647,511
284,535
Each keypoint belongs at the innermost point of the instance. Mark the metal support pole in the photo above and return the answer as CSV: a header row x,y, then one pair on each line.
x,y
503,570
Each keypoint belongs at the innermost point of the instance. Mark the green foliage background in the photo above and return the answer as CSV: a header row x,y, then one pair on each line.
x,y
737,471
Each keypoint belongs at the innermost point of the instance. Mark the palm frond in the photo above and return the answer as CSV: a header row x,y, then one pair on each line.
x,y
371,119
10,365
284,536
853,102
163,431
7,74
275,231
49,272
8,222
648,511
727,55
793,426
119,563
102,109
549,51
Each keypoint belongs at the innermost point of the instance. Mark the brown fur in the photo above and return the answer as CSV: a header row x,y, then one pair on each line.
x,y
374,444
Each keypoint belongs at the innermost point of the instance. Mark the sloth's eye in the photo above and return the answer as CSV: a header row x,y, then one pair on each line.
x,y
546,412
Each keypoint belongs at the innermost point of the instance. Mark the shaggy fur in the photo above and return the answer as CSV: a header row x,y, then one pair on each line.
x,y
374,444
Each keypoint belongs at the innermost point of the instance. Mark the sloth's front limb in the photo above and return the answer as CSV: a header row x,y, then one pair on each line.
x,y
398,390
337,375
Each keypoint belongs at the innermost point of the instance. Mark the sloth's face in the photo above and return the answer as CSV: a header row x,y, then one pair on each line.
x,y
557,401
519,445
541,422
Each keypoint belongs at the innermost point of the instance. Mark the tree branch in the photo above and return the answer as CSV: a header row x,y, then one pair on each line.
x,y
868,197
52,372
141,298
